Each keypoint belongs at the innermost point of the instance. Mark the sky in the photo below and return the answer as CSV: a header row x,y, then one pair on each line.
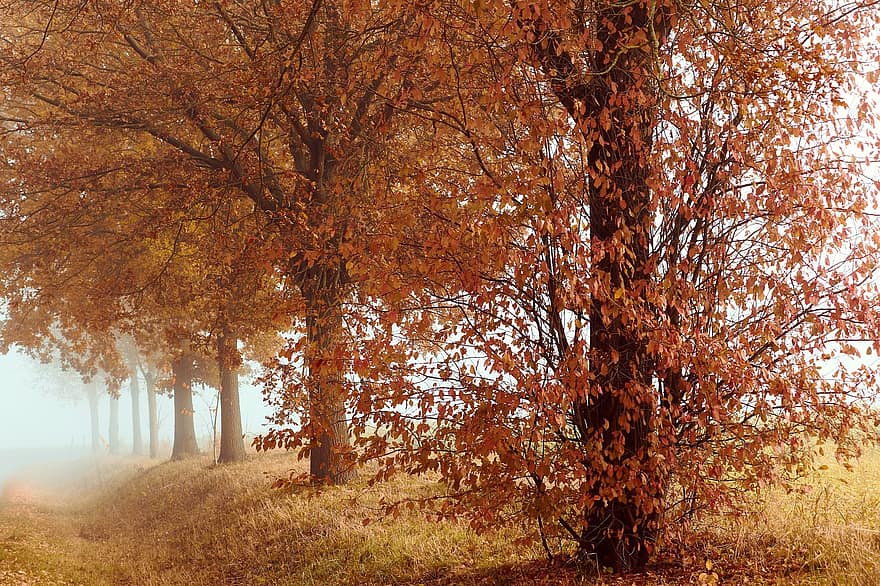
x,y
36,413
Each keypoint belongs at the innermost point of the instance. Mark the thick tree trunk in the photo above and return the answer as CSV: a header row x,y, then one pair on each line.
x,y
113,430
137,447
330,454
229,360
152,414
92,394
184,425
616,111
619,528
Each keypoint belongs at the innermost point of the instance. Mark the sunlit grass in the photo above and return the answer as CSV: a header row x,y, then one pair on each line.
x,y
225,525
36,548
826,532
195,524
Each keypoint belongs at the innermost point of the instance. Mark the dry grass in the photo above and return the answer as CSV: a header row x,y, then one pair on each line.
x,y
224,525
827,532
38,544
190,523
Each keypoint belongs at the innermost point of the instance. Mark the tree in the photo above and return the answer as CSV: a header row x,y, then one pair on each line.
x,y
185,444
149,372
113,425
663,248
135,392
92,396
287,108
65,383
229,361
615,106
154,268
614,270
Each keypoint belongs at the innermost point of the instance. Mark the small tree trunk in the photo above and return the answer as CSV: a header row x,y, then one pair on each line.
x,y
137,440
229,360
152,414
184,425
92,394
113,431
330,453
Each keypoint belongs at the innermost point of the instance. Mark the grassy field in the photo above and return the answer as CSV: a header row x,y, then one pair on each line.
x,y
190,523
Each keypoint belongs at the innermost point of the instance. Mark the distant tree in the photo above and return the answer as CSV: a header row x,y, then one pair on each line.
x,y
184,272
150,374
131,361
64,383
113,426
137,442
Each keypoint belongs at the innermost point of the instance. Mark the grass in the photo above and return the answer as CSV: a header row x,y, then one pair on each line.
x,y
223,525
194,524
828,532
37,533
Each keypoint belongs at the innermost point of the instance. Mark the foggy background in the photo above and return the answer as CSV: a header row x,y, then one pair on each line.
x,y
41,422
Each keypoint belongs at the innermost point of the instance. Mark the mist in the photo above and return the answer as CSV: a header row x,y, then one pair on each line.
x,y
44,418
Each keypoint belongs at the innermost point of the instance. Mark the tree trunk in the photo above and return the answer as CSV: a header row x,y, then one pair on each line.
x,y
137,441
184,425
619,528
92,394
152,414
616,111
330,453
229,360
113,431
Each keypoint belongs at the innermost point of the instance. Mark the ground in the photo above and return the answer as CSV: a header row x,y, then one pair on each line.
x,y
140,522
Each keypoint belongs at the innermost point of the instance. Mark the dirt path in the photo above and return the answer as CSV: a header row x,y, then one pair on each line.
x,y
40,543
26,555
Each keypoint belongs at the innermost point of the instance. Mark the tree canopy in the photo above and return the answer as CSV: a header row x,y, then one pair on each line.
x,y
599,264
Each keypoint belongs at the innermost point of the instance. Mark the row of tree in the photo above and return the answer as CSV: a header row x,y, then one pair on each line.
x,y
58,376
595,262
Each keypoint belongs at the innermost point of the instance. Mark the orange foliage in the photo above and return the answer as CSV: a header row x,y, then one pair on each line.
x,y
599,264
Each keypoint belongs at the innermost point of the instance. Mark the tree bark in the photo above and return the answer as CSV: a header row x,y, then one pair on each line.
x,y
620,530
92,394
113,430
616,111
330,459
185,444
229,360
137,447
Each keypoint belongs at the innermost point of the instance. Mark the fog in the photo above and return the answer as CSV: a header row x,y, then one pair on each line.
x,y
43,422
